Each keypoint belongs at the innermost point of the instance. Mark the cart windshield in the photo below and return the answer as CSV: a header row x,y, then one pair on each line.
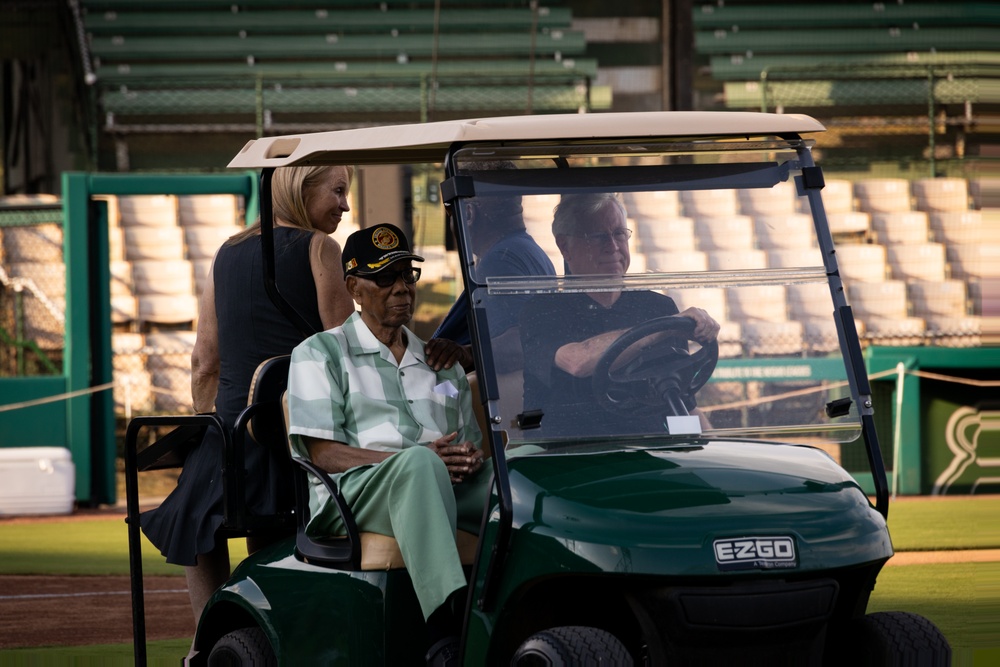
x,y
642,295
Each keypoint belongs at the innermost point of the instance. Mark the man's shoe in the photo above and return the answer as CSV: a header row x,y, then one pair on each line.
x,y
444,653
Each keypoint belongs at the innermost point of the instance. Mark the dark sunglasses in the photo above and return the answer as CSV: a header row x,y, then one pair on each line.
x,y
389,278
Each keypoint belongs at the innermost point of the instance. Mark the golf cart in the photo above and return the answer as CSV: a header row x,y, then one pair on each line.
x,y
695,508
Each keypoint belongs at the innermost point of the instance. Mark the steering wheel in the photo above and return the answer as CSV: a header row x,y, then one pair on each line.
x,y
661,377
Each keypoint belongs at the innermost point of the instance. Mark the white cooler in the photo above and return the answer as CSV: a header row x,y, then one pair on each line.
x,y
36,480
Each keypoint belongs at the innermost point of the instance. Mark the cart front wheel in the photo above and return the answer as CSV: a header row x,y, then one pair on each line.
x,y
571,646
896,638
246,646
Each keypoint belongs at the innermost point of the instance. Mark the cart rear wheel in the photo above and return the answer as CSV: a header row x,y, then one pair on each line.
x,y
245,647
571,646
896,638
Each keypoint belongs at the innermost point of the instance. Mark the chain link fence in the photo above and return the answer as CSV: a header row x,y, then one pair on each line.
x,y
32,287
151,370
913,120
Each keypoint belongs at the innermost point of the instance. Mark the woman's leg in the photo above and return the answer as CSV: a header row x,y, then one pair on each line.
x,y
205,578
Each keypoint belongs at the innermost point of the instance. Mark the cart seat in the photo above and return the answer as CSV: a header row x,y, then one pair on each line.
x,y
381,552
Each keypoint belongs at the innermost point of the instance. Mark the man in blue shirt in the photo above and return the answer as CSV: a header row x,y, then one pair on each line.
x,y
503,248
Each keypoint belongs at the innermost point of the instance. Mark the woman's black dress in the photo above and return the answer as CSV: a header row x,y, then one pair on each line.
x,y
251,330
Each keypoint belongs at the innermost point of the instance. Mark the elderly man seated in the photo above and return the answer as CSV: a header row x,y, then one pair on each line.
x,y
397,433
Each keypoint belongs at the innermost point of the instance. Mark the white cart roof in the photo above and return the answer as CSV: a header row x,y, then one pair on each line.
x,y
427,142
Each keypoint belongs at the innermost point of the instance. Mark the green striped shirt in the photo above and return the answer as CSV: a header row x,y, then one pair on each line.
x,y
345,385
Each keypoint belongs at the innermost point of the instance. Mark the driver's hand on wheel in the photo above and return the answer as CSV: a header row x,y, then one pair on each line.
x,y
706,329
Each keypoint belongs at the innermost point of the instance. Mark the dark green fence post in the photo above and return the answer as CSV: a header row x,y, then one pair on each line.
x,y
76,359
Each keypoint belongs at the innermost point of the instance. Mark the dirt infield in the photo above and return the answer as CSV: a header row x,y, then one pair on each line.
x,y
54,610
75,611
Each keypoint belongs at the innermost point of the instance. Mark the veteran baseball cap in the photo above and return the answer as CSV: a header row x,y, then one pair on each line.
x,y
370,250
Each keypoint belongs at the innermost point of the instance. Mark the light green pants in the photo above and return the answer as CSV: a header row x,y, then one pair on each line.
x,y
409,496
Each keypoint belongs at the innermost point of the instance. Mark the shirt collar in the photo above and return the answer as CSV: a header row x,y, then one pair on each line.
x,y
361,340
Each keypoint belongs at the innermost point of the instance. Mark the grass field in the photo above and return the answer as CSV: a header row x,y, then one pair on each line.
x,y
931,524
963,599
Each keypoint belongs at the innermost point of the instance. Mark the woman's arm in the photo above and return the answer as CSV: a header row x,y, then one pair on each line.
x,y
205,356
334,301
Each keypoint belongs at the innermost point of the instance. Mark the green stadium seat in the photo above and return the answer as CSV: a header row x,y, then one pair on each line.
x,y
353,100
139,75
277,20
331,47
843,15
741,67
837,59
859,92
853,40
267,65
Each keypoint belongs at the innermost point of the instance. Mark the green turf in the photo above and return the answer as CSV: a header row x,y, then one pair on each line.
x,y
158,654
93,546
100,546
926,523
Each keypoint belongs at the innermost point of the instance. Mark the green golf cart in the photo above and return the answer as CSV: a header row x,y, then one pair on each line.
x,y
688,503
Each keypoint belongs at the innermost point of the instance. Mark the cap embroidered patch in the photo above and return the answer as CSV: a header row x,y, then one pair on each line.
x,y
384,238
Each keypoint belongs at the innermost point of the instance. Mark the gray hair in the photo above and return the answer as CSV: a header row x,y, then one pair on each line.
x,y
574,208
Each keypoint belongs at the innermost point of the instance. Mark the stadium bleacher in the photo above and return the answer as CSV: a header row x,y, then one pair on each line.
x,y
909,89
930,287
812,55
913,255
267,66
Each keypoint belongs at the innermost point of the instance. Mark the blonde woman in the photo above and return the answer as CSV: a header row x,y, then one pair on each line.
x,y
239,327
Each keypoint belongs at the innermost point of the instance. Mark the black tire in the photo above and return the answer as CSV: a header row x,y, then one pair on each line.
x,y
571,646
898,639
246,647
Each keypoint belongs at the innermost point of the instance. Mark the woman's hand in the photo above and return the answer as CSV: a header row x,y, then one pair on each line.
x,y
444,353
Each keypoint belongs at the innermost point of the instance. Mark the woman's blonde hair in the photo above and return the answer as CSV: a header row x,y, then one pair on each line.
x,y
288,201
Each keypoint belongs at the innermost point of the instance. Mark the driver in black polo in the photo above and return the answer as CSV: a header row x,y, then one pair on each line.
x,y
565,335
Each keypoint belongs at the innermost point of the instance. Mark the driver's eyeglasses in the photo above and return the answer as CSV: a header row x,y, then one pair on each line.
x,y
619,236
389,278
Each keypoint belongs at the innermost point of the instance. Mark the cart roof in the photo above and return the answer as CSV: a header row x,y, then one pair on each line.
x,y
427,142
